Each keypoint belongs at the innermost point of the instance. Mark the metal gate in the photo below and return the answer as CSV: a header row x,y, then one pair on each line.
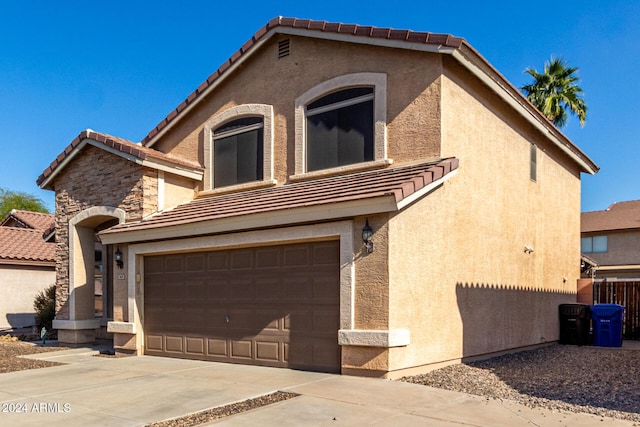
x,y
626,293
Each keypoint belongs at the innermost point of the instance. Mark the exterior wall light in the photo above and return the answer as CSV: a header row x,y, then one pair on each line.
x,y
117,255
367,234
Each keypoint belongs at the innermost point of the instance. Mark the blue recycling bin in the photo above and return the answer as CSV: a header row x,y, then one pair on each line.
x,y
607,324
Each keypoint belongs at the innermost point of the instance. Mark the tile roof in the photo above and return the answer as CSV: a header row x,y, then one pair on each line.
x,y
618,216
25,246
35,220
398,183
284,23
119,145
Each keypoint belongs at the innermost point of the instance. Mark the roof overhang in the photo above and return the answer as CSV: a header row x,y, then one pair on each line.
x,y
277,218
153,163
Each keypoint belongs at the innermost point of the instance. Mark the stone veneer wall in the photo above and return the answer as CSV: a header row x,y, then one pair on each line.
x,y
97,178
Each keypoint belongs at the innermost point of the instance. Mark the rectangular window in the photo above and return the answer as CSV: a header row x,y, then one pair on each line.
x,y
533,167
595,244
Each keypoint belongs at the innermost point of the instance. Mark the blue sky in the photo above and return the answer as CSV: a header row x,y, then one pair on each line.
x,y
119,67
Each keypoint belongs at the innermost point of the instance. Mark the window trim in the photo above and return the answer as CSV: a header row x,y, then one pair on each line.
x,y
379,83
237,112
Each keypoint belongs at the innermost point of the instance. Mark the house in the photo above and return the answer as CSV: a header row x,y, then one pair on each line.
x,y
611,238
334,197
27,265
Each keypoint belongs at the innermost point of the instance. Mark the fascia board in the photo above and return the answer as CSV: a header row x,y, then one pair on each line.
x,y
27,263
372,41
425,190
261,220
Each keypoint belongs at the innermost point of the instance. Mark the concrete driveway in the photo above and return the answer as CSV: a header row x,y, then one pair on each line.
x,y
135,391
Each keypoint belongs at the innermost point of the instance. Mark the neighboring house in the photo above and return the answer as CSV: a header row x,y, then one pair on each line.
x,y
611,238
27,265
234,231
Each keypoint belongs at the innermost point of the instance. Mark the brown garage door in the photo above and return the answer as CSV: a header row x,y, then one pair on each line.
x,y
270,305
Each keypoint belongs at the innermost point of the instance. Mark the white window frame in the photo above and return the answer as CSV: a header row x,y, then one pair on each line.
x,y
237,112
379,83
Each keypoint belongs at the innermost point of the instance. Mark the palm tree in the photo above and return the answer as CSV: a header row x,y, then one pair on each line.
x,y
555,91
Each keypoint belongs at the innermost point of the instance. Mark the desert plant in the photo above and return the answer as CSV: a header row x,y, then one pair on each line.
x,y
45,306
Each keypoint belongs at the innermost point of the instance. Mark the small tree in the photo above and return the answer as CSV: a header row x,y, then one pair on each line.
x,y
18,200
45,306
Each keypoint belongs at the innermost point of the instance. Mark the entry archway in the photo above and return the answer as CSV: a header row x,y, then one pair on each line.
x,y
85,269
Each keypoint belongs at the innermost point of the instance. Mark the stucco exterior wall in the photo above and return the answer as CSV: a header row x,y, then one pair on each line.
x,y
461,250
18,287
623,247
81,185
413,87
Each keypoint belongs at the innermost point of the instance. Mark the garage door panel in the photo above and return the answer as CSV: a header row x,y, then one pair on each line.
x,y
217,347
268,258
217,261
272,305
268,289
154,342
242,290
174,264
242,259
174,290
173,343
195,262
217,290
298,287
271,319
241,349
268,351
195,345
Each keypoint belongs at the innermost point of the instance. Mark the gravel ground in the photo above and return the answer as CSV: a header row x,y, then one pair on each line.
x,y
10,350
594,380
225,411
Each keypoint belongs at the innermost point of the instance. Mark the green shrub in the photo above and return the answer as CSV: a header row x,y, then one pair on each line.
x,y
45,306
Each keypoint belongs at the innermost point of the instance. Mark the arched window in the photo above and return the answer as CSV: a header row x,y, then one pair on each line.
x,y
239,148
340,129
238,152
341,123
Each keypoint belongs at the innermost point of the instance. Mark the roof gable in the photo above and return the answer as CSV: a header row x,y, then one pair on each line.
x,y
457,47
618,216
123,148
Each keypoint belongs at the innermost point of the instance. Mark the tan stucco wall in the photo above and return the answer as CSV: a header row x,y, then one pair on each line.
x,y
460,252
177,190
623,247
18,288
413,88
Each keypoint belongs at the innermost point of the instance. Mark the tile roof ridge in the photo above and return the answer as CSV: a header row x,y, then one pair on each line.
x,y
121,145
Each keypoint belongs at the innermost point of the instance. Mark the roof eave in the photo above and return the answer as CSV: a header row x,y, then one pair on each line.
x,y
192,173
278,218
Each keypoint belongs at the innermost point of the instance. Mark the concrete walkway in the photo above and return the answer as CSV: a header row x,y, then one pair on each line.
x,y
135,391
